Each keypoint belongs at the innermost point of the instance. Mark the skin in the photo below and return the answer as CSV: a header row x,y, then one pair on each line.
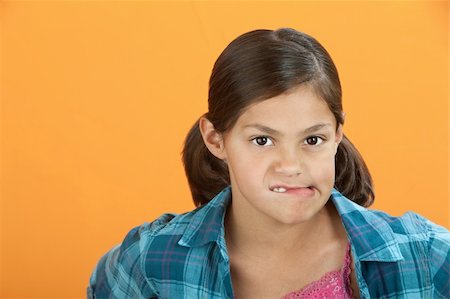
x,y
290,157
279,233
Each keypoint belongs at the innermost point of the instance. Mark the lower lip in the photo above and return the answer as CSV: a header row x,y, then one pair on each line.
x,y
303,192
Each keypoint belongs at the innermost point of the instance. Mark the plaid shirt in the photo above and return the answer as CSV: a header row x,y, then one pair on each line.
x,y
185,256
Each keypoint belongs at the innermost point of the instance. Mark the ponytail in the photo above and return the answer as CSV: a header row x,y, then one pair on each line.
x,y
353,178
206,174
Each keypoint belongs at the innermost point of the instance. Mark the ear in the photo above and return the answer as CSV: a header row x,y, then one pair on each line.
x,y
338,137
212,139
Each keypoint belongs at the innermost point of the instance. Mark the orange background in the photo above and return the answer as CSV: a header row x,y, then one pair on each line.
x,y
97,98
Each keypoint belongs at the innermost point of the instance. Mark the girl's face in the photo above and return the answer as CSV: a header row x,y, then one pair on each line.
x,y
280,155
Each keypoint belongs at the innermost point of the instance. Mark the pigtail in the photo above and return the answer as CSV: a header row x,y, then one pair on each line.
x,y
207,175
353,178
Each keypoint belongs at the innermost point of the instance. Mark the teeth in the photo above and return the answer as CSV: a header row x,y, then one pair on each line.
x,y
279,190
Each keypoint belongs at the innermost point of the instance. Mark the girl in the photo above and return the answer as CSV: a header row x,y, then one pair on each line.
x,y
280,194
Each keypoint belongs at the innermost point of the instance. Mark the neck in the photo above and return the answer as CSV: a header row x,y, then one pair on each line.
x,y
262,238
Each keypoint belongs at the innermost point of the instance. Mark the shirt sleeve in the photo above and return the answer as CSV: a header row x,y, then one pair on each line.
x,y
119,273
439,246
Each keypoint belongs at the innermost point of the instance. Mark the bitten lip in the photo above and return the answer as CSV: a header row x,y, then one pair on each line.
x,y
287,187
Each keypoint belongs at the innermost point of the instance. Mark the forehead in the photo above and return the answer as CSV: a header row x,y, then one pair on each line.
x,y
298,108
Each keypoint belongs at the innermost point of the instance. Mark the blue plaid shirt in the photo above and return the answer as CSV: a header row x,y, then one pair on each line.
x,y
185,256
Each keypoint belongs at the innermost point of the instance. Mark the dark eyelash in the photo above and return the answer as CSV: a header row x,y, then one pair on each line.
x,y
316,136
261,136
323,138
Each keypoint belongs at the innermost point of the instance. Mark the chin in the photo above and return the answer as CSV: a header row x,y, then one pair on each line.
x,y
297,219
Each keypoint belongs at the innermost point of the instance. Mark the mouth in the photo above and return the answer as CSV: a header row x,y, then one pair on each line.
x,y
298,190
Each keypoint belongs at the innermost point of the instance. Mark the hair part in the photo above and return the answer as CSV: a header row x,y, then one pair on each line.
x,y
257,66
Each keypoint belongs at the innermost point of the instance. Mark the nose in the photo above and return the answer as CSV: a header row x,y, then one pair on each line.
x,y
289,163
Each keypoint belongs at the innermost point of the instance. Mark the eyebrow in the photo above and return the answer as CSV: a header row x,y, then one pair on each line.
x,y
274,132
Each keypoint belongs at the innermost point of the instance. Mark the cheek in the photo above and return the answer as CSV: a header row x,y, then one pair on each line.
x,y
248,166
323,170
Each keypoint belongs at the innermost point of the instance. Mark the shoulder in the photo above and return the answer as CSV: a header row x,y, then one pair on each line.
x,y
186,244
413,227
438,249
410,225
164,232
425,251
406,229
165,224
124,265
398,254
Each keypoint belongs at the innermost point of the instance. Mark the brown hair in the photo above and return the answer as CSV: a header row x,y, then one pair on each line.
x,y
256,66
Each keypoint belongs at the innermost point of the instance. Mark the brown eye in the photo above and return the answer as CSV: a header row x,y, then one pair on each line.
x,y
313,140
262,141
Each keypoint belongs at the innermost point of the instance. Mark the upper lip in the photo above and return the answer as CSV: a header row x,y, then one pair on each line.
x,y
287,187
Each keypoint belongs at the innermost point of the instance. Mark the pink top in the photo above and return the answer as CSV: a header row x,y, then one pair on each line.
x,y
334,284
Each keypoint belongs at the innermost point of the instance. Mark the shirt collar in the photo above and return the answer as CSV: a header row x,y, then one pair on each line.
x,y
369,232
207,222
371,236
